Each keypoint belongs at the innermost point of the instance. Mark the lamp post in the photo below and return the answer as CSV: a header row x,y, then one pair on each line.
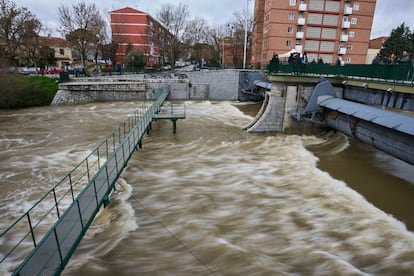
x,y
245,34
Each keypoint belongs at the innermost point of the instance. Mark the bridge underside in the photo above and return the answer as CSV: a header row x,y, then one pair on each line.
x,y
388,131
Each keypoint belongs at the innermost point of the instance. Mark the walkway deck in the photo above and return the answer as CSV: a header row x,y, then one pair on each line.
x,y
99,172
171,112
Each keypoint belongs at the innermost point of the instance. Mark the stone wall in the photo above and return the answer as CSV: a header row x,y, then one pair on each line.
x,y
196,85
179,88
86,92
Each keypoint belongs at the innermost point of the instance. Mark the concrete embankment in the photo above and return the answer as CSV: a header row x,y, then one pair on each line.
x,y
201,85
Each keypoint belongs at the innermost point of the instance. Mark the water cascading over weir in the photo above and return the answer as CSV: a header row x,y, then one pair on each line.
x,y
389,131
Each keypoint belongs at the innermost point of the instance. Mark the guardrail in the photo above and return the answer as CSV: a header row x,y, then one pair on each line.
x,y
51,235
393,72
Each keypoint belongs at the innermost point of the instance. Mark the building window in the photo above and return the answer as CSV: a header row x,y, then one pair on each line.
x,y
354,20
347,59
349,47
267,17
288,43
351,34
62,52
264,55
291,16
290,29
356,7
293,2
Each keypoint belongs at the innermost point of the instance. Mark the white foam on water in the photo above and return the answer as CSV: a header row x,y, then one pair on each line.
x,y
111,225
243,204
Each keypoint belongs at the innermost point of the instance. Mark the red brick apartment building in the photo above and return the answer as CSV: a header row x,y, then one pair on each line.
x,y
324,29
134,29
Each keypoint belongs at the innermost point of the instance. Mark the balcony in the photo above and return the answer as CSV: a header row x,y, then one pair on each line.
x,y
300,35
347,10
345,24
344,38
301,21
298,48
303,7
342,51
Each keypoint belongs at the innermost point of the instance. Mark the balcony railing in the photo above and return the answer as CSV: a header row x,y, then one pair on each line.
x,y
298,48
344,38
342,51
348,10
346,24
300,35
303,7
301,21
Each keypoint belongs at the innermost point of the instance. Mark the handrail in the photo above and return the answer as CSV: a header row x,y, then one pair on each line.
x,y
71,198
391,72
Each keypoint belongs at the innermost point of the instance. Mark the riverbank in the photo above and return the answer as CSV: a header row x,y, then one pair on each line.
x,y
26,91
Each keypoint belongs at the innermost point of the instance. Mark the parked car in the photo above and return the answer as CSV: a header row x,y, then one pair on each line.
x,y
26,70
54,70
78,71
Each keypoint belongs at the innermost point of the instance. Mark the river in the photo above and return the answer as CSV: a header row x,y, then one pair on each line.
x,y
213,199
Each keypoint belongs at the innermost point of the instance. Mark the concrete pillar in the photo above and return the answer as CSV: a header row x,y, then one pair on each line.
x,y
290,105
272,116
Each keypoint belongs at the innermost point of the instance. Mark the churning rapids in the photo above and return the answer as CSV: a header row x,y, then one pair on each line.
x,y
214,199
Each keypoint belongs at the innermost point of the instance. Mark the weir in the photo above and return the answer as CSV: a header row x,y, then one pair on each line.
x,y
52,236
389,131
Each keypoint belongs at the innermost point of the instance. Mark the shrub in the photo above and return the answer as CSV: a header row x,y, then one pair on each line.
x,y
27,91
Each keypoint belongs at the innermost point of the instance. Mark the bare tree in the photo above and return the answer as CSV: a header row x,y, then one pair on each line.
x,y
83,27
196,31
18,30
170,38
238,28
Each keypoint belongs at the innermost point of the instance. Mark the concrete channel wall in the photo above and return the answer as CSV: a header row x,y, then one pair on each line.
x,y
197,85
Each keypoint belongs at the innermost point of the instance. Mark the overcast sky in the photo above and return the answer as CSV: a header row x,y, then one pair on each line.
x,y
388,14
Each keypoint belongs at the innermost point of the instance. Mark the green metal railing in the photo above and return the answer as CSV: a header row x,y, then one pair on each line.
x,y
50,235
394,72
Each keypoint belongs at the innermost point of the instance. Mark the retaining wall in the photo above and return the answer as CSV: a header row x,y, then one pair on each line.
x,y
197,85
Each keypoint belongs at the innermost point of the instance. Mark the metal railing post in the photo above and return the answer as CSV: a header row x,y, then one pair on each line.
x,y
56,203
31,229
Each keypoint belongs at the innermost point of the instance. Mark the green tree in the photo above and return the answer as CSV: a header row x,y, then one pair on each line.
x,y
135,59
46,56
401,39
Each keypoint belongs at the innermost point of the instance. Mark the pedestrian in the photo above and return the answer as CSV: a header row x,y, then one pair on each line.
x,y
119,68
109,69
274,63
377,59
338,61
405,58
304,62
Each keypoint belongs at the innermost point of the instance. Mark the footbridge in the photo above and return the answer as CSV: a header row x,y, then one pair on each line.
x,y
42,240
376,112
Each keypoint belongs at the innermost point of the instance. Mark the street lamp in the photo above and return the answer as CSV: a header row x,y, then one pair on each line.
x,y
245,34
